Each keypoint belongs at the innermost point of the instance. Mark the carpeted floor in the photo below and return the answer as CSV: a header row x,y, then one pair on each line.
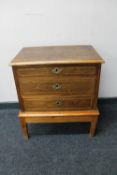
x,y
59,149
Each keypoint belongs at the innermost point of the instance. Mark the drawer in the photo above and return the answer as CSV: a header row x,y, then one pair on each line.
x,y
49,103
50,85
56,70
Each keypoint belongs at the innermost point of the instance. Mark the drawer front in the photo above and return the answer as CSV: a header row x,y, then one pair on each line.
x,y
57,70
48,103
50,85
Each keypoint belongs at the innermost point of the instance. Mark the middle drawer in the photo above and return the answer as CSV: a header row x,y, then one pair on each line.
x,y
50,85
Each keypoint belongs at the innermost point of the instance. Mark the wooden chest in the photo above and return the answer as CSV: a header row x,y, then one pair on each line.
x,y
57,84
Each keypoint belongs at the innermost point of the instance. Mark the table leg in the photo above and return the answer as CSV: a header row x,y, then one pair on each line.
x,y
93,125
24,127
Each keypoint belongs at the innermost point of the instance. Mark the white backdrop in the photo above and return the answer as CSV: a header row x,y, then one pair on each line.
x,y
58,22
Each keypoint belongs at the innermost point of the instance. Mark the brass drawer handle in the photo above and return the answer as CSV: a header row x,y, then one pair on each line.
x,y
57,70
56,86
58,102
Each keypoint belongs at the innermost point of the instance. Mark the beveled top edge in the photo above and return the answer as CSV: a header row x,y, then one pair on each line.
x,y
57,62
38,55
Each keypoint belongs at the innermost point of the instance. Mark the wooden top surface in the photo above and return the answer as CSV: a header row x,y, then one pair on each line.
x,y
57,55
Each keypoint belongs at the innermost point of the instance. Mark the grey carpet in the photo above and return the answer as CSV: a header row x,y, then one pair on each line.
x,y
59,149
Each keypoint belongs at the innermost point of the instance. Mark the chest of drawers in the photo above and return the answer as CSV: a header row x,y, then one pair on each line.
x,y
57,84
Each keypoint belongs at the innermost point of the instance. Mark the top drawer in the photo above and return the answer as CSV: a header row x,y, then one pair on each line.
x,y
56,70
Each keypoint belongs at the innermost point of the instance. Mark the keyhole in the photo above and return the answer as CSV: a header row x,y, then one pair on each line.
x,y
58,102
57,85
56,70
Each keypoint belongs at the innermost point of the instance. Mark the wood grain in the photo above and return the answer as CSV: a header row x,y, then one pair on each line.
x,y
24,127
63,117
57,55
17,88
93,125
57,84
57,103
60,113
61,85
58,120
63,70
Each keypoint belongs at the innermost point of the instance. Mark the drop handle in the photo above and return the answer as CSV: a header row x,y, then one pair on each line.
x,y
57,70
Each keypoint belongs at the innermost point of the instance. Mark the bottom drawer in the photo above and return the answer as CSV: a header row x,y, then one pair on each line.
x,y
56,103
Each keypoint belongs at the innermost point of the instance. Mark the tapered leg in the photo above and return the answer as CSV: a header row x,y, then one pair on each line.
x,y
93,125
24,127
